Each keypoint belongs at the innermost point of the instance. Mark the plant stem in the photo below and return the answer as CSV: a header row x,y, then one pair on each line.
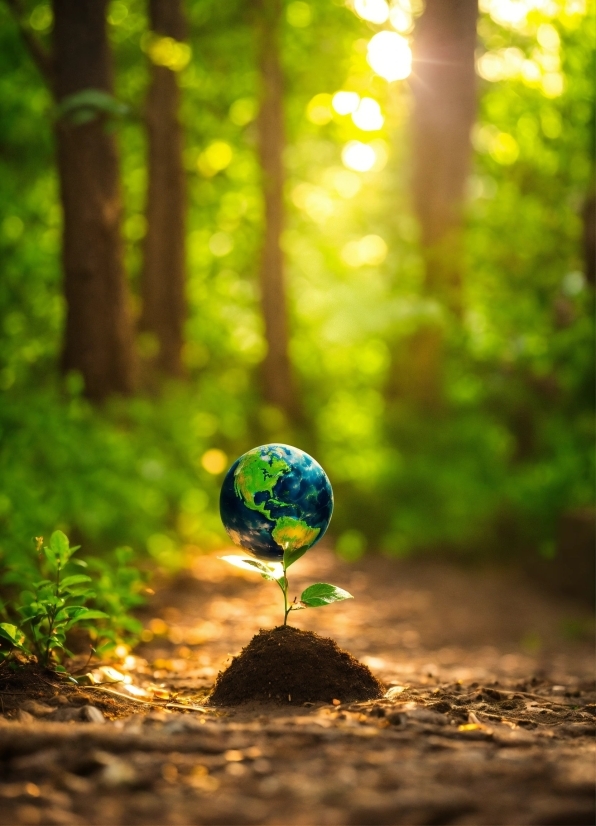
x,y
51,617
285,590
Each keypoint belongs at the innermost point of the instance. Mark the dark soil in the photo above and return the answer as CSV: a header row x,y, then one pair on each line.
x,y
28,691
290,666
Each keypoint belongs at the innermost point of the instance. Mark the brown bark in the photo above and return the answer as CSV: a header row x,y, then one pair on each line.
x,y
444,87
278,384
589,238
163,277
98,337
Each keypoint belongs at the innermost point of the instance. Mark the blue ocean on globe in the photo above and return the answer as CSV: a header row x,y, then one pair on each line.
x,y
275,498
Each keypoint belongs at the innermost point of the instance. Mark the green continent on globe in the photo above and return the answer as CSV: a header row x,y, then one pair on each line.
x,y
292,534
258,472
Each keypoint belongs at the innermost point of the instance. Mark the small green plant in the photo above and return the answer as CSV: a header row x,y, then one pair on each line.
x,y
118,586
51,606
315,596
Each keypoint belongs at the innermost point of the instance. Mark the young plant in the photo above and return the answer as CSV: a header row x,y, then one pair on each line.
x,y
52,606
119,587
315,596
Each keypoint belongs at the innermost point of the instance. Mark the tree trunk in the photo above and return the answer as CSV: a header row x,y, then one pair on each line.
x,y
163,277
98,337
278,384
444,87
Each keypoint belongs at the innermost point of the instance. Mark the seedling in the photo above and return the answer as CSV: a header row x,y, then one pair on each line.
x,y
52,606
315,596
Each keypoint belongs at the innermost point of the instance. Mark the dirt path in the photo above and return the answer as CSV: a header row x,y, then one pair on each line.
x,y
489,718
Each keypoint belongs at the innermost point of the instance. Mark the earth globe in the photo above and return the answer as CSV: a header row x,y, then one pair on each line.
x,y
276,498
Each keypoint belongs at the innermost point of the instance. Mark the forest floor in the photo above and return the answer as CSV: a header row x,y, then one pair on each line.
x,y
488,718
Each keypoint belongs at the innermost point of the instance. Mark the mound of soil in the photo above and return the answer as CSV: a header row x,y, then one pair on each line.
x,y
287,665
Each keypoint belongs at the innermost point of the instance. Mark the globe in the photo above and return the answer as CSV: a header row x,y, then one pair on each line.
x,y
273,498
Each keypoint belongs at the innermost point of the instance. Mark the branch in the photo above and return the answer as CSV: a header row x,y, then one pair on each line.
x,y
40,56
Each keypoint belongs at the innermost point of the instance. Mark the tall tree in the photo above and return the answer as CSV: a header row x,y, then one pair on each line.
x,y
278,381
98,337
444,87
163,277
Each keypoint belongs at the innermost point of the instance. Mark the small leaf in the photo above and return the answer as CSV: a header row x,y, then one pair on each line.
x,y
86,614
74,580
54,644
80,562
291,556
87,104
321,594
60,548
269,571
87,593
29,612
12,634
43,583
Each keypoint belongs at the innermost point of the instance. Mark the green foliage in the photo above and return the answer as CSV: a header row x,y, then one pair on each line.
x,y
51,606
48,608
315,596
118,586
511,448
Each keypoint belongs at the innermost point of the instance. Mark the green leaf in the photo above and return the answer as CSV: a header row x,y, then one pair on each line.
x,y
76,579
87,593
31,611
60,548
27,597
54,644
293,556
268,571
80,562
87,104
86,614
12,634
321,594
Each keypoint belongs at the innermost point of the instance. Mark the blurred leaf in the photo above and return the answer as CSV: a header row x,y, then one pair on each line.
x,y
83,106
12,634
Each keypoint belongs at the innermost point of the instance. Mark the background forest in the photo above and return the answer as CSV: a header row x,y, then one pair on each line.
x,y
229,223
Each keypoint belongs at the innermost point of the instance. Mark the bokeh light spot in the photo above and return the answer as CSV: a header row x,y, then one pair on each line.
x,y
299,14
553,84
374,11
319,109
345,103
351,545
400,19
220,244
242,111
504,149
368,116
368,251
346,184
215,158
214,461
358,156
389,55
165,51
